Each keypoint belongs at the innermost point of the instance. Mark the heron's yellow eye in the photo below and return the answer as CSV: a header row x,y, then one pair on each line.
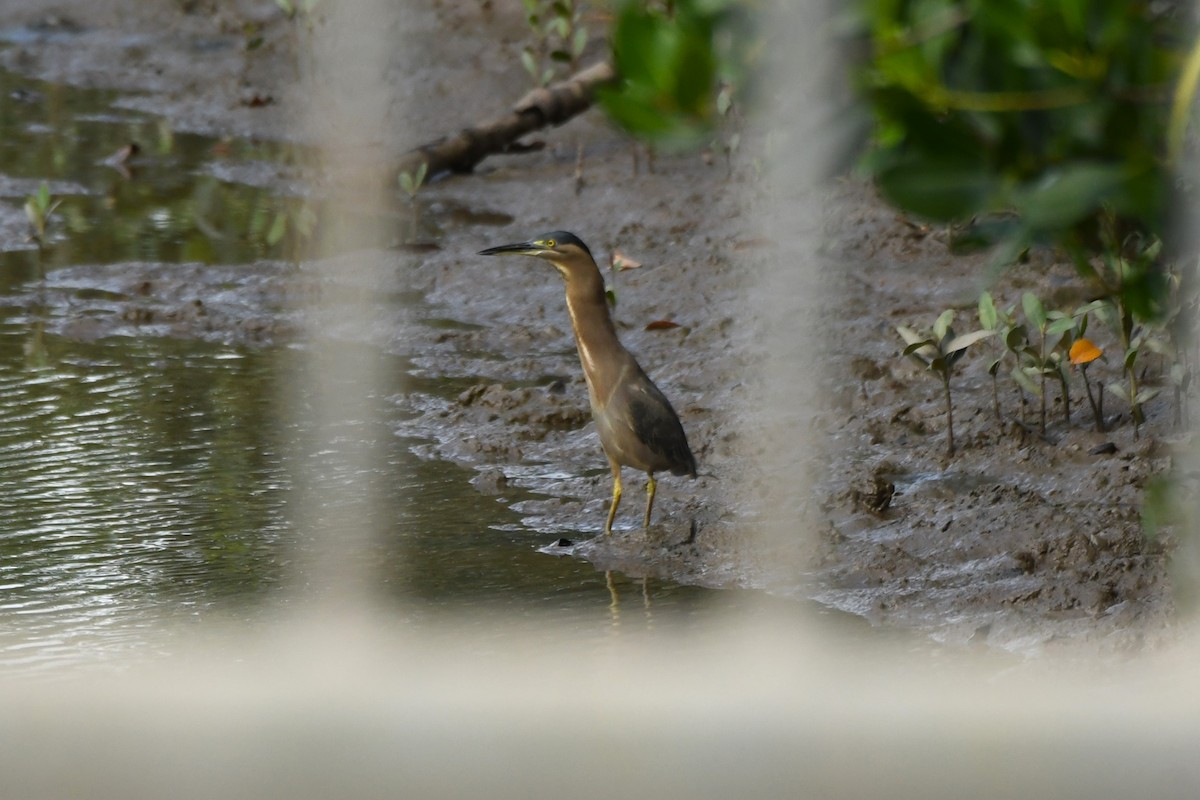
x,y
549,243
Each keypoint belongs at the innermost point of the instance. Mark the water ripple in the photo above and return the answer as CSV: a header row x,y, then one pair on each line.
x,y
135,482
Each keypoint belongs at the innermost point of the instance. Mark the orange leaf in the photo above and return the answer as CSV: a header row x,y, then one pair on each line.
x,y
1084,352
662,325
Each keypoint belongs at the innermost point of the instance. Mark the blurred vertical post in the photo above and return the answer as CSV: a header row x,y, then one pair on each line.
x,y
792,295
339,505
1185,241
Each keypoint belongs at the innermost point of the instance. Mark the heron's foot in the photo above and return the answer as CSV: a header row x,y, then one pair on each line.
x,y
616,501
651,487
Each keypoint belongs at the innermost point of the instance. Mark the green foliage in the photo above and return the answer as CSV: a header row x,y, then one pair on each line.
x,y
299,219
294,8
558,38
939,350
680,66
1049,343
1001,324
1055,111
38,209
411,182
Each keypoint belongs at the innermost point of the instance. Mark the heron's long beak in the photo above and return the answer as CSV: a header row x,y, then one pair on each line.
x,y
519,249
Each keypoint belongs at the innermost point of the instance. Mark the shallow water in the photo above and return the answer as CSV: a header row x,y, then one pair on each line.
x,y
147,483
148,480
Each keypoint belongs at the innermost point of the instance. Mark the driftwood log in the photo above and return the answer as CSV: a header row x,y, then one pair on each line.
x,y
551,105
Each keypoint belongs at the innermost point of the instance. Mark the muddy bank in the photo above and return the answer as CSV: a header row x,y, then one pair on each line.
x,y
1017,542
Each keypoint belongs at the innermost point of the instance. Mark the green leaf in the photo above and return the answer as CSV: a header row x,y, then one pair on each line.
x,y
942,326
1130,358
919,347
911,336
988,317
1016,337
1064,196
279,227
1061,325
1035,312
1155,345
1146,395
1025,382
966,340
942,190
1118,390
916,346
529,62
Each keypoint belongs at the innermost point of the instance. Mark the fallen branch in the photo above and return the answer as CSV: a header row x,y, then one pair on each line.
x,y
551,105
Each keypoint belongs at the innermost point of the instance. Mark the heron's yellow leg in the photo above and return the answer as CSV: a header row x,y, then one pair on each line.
x,y
616,498
651,486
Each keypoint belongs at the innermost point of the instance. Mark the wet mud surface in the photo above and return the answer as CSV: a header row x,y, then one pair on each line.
x,y
1017,542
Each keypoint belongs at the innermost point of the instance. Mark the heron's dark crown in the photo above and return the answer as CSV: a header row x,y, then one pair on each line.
x,y
561,238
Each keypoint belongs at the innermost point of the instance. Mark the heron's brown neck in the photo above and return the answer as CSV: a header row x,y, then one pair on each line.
x,y
600,351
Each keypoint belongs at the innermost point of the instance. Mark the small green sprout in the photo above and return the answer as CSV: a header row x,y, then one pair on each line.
x,y
997,322
939,351
1035,315
38,209
411,182
300,220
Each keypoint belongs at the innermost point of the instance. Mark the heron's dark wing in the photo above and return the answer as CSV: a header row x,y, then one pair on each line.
x,y
658,427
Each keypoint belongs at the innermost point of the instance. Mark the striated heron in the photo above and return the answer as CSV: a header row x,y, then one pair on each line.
x,y
637,426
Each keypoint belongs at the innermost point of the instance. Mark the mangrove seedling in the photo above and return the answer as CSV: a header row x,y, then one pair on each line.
x,y
297,219
38,209
411,182
1045,360
1035,315
1129,281
996,321
1016,341
1083,351
939,351
1133,394
1058,358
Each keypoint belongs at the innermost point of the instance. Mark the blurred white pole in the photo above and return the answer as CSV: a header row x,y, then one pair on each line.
x,y
337,394
791,297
